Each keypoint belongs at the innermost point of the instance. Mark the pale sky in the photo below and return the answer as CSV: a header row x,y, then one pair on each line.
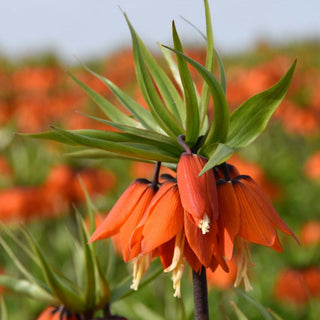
x,y
92,28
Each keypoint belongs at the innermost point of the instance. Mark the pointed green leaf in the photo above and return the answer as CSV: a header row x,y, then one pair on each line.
x,y
218,130
16,261
222,72
240,315
221,153
138,111
92,153
90,288
168,56
251,118
169,93
191,101
205,95
124,289
160,112
103,291
3,311
274,315
108,108
142,133
20,243
139,151
259,306
66,292
27,288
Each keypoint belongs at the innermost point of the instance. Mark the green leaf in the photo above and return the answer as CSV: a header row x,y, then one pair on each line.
x,y
259,306
218,130
222,73
63,289
27,288
138,111
92,153
154,137
168,56
16,261
240,315
191,101
108,108
138,150
90,284
124,289
160,112
168,92
205,95
221,153
251,118
3,311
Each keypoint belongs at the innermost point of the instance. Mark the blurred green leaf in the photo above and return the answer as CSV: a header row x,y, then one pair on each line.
x,y
64,290
239,313
124,289
27,288
264,312
251,118
3,311
90,283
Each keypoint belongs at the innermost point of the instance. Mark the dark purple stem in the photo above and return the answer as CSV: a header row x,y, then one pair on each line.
x,y
182,142
155,180
200,295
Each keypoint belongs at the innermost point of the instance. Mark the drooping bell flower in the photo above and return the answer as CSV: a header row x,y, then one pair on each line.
x,y
131,203
170,232
198,193
247,214
125,216
122,220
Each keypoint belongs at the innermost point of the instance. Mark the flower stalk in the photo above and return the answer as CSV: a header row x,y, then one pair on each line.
x,y
200,295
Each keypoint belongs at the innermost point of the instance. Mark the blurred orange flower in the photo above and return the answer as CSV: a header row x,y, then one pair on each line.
x,y
312,166
310,233
57,313
298,286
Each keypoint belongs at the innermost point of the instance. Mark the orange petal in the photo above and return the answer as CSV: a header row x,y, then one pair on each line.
x,y
267,207
229,217
254,226
192,188
165,217
191,258
121,210
165,251
130,224
201,244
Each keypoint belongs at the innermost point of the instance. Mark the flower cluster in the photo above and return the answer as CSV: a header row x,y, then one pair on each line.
x,y
192,218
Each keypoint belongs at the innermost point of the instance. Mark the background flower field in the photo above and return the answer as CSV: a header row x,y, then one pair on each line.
x,y
39,182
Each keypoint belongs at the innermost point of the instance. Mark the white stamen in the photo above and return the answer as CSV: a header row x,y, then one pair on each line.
x,y
204,224
243,262
178,264
140,266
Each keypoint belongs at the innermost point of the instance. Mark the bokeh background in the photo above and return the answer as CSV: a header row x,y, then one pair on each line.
x,y
39,186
